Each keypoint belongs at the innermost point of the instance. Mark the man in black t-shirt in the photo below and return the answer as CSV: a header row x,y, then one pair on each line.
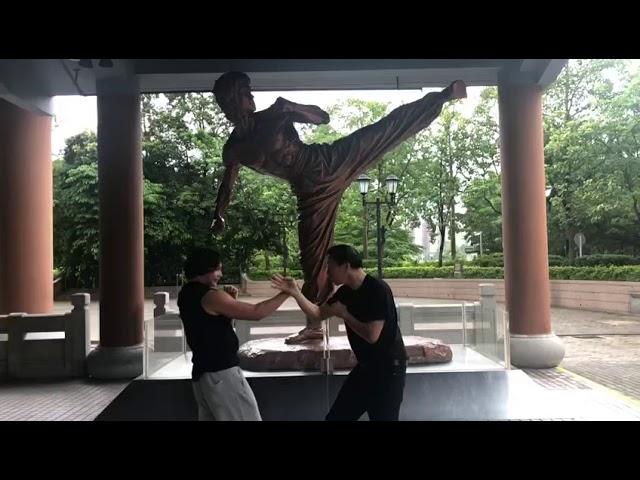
x,y
367,306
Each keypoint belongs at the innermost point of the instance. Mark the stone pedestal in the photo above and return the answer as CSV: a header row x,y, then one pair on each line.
x,y
272,354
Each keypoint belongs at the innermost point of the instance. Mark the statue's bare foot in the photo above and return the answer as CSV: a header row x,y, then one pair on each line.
x,y
456,90
306,335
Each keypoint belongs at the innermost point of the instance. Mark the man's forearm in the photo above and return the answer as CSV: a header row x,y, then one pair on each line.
x,y
307,306
361,328
267,307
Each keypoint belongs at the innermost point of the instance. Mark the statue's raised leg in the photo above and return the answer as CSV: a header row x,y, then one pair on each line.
x,y
342,162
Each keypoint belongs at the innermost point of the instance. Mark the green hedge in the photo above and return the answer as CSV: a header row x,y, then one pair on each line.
x,y
491,260
386,262
266,275
629,273
441,272
416,272
606,259
497,260
626,273
558,261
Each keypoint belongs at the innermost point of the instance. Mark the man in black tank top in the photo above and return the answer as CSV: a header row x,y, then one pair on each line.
x,y
376,384
220,389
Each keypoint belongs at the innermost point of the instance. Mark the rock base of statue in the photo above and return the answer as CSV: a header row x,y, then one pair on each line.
x,y
272,354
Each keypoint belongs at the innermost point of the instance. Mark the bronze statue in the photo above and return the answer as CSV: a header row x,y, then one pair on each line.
x,y
267,142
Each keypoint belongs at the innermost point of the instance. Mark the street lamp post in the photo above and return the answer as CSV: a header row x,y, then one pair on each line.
x,y
392,186
480,235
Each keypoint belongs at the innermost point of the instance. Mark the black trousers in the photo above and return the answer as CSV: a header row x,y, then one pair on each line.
x,y
375,390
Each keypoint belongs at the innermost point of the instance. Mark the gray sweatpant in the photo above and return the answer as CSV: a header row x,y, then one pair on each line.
x,y
225,395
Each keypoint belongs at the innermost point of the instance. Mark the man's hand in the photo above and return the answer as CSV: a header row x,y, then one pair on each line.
x,y
217,226
339,310
285,284
231,290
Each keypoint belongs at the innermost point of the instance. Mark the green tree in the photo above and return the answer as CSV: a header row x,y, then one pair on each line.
x,y
440,174
482,197
615,196
572,120
75,211
483,204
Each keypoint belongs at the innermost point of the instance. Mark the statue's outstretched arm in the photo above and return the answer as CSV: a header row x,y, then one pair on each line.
x,y
224,197
302,113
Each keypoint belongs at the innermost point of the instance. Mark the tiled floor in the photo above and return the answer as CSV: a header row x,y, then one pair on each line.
x,y
76,399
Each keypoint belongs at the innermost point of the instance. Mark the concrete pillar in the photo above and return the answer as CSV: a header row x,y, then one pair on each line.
x,y
120,186
524,227
26,211
78,330
160,300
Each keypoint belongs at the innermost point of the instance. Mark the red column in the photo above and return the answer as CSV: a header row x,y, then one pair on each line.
x,y
120,186
26,211
524,227
121,221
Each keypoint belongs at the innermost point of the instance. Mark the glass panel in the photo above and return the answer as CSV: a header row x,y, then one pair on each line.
x,y
165,350
487,332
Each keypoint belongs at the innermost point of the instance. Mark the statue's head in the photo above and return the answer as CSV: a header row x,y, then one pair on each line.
x,y
233,94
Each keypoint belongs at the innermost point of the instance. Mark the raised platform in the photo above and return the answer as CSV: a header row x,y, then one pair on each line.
x,y
464,359
488,395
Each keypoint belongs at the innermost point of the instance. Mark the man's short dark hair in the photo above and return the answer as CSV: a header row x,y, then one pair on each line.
x,y
342,254
226,88
201,261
